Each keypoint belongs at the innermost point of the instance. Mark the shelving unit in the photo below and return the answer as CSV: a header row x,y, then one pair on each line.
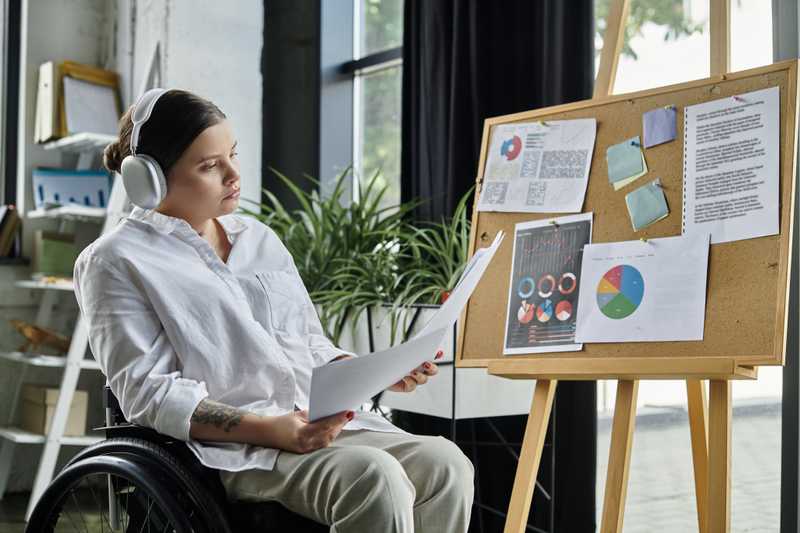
x,y
87,146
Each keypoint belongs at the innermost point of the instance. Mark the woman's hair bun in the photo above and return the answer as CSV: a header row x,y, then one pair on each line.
x,y
113,156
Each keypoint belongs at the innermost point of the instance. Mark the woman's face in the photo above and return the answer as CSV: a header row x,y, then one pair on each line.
x,y
205,182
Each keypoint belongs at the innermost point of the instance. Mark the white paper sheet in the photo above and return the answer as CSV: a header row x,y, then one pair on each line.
x,y
348,383
544,285
730,178
538,167
644,291
90,107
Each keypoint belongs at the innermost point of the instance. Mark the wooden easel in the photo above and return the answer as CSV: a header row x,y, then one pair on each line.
x,y
711,443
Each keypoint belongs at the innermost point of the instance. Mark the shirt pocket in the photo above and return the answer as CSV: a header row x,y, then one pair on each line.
x,y
285,297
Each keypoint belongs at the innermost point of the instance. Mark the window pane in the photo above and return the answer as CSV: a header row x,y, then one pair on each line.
x,y
751,34
380,25
667,42
378,134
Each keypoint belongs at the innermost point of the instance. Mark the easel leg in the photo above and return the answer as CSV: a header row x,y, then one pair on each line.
x,y
719,457
698,415
530,455
619,456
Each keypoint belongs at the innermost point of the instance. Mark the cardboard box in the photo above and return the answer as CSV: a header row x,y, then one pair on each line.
x,y
39,406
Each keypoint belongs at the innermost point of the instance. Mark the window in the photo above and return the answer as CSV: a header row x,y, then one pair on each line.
x,y
668,42
377,83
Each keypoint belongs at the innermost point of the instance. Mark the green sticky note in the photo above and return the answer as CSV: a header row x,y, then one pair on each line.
x,y
627,181
646,205
624,160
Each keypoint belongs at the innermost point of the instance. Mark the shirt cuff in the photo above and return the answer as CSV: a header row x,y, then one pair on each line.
x,y
174,417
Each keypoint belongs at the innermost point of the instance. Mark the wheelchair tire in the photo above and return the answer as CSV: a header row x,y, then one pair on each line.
x,y
129,478
156,456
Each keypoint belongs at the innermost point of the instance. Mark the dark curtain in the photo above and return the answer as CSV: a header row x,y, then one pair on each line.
x,y
465,61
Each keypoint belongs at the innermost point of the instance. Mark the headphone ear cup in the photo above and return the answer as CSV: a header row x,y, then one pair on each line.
x,y
144,180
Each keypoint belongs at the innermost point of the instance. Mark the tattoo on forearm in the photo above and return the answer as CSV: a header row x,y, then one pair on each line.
x,y
217,414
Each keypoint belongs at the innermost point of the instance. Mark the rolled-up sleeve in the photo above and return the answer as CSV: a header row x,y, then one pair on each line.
x,y
133,350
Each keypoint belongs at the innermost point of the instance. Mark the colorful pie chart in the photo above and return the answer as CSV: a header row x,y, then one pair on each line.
x,y
620,292
544,311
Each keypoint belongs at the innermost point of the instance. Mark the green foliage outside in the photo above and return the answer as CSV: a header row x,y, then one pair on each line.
x,y
667,13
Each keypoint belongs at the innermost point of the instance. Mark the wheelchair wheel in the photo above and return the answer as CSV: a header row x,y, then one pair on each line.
x,y
198,496
80,498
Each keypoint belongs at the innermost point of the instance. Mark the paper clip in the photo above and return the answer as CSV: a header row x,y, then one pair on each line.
x,y
738,98
543,123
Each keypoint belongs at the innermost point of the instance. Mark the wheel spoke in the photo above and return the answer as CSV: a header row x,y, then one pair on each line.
x,y
78,507
100,508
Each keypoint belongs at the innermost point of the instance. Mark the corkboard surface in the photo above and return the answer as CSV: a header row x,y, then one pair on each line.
x,y
747,292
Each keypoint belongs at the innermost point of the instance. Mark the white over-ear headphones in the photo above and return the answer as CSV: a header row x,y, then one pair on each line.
x,y
142,176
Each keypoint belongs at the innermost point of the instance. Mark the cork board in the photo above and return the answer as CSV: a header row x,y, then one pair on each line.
x,y
747,289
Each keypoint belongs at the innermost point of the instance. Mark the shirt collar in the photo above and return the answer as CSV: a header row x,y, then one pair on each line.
x,y
167,224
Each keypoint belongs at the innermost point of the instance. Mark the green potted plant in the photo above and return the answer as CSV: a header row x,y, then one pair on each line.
x,y
365,266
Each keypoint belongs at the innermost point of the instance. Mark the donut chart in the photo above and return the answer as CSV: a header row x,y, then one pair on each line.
x,y
620,292
511,148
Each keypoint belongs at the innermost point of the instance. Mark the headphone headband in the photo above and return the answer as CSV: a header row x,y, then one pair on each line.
x,y
144,107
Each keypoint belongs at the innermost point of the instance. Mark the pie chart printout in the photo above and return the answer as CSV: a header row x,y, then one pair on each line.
x,y
620,292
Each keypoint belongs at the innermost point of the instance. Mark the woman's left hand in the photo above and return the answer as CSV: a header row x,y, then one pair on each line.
x,y
418,376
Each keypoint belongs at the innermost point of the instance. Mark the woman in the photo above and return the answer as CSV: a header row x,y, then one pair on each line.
x,y
206,333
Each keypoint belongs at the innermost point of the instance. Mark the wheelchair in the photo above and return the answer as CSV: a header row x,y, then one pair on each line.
x,y
140,480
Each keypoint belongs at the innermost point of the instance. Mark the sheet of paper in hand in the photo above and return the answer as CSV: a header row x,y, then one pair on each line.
x,y
346,384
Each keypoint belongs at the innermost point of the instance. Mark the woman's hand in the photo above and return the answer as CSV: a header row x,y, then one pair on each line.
x,y
418,376
293,432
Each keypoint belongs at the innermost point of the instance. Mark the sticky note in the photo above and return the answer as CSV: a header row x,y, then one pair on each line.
x,y
620,184
646,205
625,160
658,126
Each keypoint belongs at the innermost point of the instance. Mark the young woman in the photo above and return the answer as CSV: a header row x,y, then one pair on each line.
x,y
206,333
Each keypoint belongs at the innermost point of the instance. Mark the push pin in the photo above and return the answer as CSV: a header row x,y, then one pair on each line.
x,y
669,107
739,98
643,239
554,223
634,143
543,123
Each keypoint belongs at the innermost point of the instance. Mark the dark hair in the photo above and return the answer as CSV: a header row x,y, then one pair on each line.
x,y
176,120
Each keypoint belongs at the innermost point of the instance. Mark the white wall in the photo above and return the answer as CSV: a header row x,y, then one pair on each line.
x,y
210,48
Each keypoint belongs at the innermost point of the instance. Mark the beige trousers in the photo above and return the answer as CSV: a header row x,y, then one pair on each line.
x,y
369,481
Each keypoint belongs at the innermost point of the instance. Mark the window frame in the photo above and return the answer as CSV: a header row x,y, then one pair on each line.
x,y
342,71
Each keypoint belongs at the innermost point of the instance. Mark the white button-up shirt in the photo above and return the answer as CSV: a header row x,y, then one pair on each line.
x,y
170,324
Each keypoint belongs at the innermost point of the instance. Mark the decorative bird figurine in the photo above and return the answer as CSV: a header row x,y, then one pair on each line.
x,y
38,336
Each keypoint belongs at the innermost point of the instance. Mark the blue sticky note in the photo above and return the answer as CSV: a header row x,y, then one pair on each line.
x,y
659,126
646,205
624,160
